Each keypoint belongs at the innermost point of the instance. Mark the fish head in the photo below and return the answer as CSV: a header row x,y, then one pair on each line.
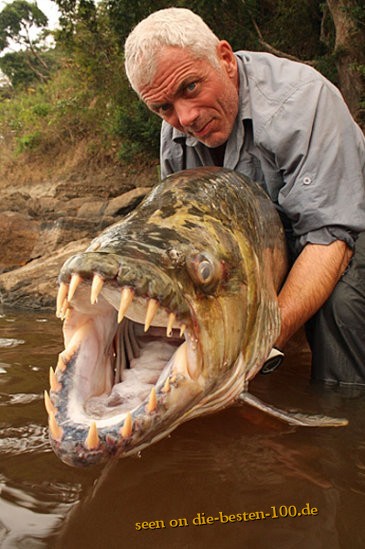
x,y
167,314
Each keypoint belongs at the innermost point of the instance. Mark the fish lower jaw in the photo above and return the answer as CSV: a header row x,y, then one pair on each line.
x,y
81,439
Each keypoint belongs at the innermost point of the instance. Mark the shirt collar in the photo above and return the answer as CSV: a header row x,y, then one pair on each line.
x,y
244,108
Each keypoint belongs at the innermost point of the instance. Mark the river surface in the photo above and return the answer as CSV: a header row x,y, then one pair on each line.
x,y
234,479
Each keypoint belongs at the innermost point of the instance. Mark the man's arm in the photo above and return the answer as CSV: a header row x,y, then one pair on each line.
x,y
309,284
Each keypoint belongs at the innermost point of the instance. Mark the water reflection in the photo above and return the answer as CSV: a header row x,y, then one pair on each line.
x,y
236,462
8,342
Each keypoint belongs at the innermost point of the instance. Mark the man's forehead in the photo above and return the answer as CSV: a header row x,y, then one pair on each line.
x,y
173,68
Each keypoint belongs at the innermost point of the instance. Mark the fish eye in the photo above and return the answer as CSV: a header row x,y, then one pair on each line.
x,y
204,271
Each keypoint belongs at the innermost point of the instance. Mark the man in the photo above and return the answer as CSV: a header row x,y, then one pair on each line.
x,y
284,125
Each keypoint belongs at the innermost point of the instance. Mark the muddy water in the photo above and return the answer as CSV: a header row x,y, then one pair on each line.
x,y
235,479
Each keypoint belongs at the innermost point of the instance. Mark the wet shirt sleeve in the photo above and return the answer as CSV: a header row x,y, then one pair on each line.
x,y
320,152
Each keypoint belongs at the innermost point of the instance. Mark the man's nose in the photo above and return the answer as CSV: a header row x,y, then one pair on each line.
x,y
186,113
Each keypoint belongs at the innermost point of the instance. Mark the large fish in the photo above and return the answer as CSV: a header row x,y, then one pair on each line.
x,y
168,314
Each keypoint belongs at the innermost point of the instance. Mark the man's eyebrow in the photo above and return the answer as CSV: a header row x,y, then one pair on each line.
x,y
157,106
188,80
185,82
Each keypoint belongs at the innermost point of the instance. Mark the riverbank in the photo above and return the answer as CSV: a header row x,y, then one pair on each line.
x,y
50,210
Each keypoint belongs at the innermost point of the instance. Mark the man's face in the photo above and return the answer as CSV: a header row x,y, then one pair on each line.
x,y
194,96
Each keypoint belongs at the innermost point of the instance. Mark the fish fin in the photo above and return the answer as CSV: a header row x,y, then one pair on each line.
x,y
293,418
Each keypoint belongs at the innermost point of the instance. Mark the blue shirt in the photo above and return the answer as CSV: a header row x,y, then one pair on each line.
x,y
295,136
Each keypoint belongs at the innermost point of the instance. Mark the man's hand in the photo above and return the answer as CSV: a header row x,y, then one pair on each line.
x,y
309,284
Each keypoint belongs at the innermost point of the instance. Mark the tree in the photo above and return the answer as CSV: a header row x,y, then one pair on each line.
x,y
349,20
73,13
18,21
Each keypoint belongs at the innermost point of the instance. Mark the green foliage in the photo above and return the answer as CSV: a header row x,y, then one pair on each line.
x,y
28,142
295,28
18,22
17,69
138,130
74,13
357,67
229,19
356,11
25,69
16,19
326,64
88,97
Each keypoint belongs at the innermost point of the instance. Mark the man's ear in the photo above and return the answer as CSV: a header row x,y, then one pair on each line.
x,y
227,58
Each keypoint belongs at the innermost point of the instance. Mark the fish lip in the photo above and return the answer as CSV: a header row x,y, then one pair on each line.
x,y
75,453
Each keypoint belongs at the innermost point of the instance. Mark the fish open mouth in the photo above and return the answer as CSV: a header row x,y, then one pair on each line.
x,y
124,356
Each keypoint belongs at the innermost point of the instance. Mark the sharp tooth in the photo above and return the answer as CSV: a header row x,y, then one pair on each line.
x,y
66,310
48,404
92,440
151,311
185,364
56,430
73,344
126,430
75,281
193,361
125,300
182,330
61,365
181,361
96,288
61,296
53,381
166,387
152,403
171,321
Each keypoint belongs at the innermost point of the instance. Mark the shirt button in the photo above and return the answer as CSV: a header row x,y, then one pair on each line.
x,y
307,180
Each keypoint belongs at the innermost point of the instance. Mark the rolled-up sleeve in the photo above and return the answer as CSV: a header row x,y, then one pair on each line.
x,y
320,154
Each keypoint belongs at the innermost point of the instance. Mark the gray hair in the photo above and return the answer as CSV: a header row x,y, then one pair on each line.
x,y
173,27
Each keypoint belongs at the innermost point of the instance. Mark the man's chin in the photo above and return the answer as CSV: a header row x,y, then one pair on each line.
x,y
213,143
212,140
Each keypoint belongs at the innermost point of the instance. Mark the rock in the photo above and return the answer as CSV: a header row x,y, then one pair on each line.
x,y
60,232
93,209
43,222
123,204
42,207
35,285
15,202
19,235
